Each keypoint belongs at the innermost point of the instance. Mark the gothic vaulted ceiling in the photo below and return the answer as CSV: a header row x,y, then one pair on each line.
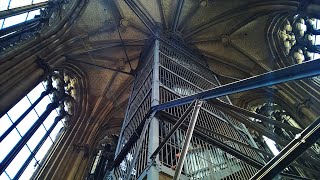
x,y
109,35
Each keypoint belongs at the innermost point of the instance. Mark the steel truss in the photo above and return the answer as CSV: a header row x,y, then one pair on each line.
x,y
168,83
198,132
291,152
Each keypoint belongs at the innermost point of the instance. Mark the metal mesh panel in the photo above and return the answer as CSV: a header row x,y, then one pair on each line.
x,y
192,65
138,106
181,76
140,100
121,171
196,162
203,160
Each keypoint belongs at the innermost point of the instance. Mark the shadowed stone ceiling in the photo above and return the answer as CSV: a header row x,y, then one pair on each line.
x,y
230,34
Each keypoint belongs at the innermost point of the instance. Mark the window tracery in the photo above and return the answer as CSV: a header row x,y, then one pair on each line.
x,y
30,128
301,38
277,113
23,20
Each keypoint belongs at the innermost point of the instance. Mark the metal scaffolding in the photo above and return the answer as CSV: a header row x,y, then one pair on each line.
x,y
155,138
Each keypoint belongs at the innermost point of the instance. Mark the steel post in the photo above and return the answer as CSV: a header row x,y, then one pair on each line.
x,y
187,140
153,142
257,116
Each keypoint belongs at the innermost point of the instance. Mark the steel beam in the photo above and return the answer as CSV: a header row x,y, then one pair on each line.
x,y
138,148
215,142
255,126
255,115
294,72
172,130
203,129
291,152
103,67
147,21
262,130
187,140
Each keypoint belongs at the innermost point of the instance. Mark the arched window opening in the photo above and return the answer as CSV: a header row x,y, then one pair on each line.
x,y
22,20
103,157
276,112
268,110
30,128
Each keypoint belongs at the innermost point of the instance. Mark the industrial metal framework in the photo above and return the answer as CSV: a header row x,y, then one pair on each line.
x,y
174,128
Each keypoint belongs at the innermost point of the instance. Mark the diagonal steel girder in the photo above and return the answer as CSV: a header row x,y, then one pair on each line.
x,y
290,73
172,130
255,115
291,152
181,120
310,155
221,145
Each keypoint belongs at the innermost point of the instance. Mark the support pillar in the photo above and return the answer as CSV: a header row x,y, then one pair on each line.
x,y
187,140
153,172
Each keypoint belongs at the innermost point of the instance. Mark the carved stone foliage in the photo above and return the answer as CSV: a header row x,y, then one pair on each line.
x,y
62,89
300,36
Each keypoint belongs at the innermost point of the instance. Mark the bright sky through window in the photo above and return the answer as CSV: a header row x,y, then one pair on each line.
x,y
20,18
21,129
272,145
316,38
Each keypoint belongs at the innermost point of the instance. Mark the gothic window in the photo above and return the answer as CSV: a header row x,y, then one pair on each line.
x,y
276,112
30,128
22,20
301,38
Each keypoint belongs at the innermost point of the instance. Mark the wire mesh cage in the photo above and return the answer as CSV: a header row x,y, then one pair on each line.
x,y
165,73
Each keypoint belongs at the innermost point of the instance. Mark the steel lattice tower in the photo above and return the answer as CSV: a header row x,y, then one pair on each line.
x,y
166,73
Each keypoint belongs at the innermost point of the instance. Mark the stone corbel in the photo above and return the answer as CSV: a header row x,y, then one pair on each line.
x,y
81,147
44,65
